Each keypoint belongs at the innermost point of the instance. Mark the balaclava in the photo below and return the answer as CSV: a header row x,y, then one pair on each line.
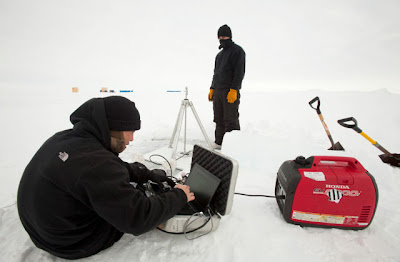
x,y
225,30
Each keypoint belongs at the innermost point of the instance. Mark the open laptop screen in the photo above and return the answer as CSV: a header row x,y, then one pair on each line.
x,y
203,184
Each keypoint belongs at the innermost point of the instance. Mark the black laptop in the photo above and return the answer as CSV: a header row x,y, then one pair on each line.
x,y
203,184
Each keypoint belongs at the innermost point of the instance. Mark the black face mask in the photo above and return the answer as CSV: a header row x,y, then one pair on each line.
x,y
225,43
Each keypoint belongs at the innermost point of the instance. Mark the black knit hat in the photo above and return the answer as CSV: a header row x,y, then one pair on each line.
x,y
121,113
225,30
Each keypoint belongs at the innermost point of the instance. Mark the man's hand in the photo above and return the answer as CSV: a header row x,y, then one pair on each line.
x,y
186,189
232,96
211,95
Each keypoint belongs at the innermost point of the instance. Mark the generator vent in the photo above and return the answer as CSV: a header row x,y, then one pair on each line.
x,y
365,210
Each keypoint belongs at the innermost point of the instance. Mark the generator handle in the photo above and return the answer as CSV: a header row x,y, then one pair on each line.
x,y
353,125
350,160
315,99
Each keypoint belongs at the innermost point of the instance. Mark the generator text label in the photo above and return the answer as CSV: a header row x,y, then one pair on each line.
x,y
335,194
337,186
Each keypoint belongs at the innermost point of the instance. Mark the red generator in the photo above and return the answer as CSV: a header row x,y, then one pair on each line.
x,y
326,191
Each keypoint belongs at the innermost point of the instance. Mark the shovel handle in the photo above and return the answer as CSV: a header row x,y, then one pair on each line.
x,y
350,122
354,126
315,99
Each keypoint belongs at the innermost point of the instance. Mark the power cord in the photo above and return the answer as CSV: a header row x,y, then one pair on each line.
x,y
278,197
169,164
187,224
197,216
183,232
1,208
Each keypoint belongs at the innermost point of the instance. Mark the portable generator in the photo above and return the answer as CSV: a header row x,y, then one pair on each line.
x,y
326,191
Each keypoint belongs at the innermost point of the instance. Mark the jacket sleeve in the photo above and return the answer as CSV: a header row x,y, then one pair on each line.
x,y
239,68
213,80
137,172
108,192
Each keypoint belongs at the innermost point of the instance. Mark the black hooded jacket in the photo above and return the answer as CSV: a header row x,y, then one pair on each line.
x,y
230,66
75,197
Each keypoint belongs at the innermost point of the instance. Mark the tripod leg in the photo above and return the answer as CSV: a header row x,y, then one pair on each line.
x,y
176,126
179,125
184,134
200,125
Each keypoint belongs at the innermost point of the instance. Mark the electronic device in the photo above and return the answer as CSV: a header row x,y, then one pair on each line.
x,y
223,168
326,191
153,189
203,184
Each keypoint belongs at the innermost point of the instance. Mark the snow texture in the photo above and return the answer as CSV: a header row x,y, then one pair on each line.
x,y
276,126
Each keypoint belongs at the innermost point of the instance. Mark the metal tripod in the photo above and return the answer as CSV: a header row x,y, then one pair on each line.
x,y
177,129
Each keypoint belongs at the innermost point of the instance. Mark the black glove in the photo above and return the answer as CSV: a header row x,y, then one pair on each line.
x,y
158,176
137,172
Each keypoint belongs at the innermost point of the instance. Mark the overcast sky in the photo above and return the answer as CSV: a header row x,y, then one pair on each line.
x,y
160,45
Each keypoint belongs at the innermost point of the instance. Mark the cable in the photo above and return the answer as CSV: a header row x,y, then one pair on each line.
x,y
8,205
170,167
198,216
187,224
187,232
278,197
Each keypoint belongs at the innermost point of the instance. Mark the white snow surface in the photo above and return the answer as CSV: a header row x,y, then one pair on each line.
x,y
275,127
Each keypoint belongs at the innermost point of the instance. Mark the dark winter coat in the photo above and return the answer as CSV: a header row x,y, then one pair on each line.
x,y
75,196
229,68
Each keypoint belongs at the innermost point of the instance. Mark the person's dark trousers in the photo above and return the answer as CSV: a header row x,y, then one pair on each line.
x,y
226,115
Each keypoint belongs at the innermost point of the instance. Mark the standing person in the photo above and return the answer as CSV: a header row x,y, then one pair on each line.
x,y
75,197
225,88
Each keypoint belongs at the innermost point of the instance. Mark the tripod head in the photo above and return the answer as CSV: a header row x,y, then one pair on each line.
x,y
186,92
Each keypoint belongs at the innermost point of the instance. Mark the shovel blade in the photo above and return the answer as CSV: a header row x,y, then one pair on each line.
x,y
336,146
393,160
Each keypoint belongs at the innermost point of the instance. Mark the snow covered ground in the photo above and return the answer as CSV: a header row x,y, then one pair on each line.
x,y
276,126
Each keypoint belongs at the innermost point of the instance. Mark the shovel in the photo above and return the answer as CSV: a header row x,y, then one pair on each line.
x,y
335,146
387,157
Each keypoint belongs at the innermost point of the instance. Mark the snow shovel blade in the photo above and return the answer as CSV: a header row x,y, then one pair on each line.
x,y
336,146
393,160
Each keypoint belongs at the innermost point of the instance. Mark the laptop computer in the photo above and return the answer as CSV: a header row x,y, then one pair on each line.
x,y
203,184
225,169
